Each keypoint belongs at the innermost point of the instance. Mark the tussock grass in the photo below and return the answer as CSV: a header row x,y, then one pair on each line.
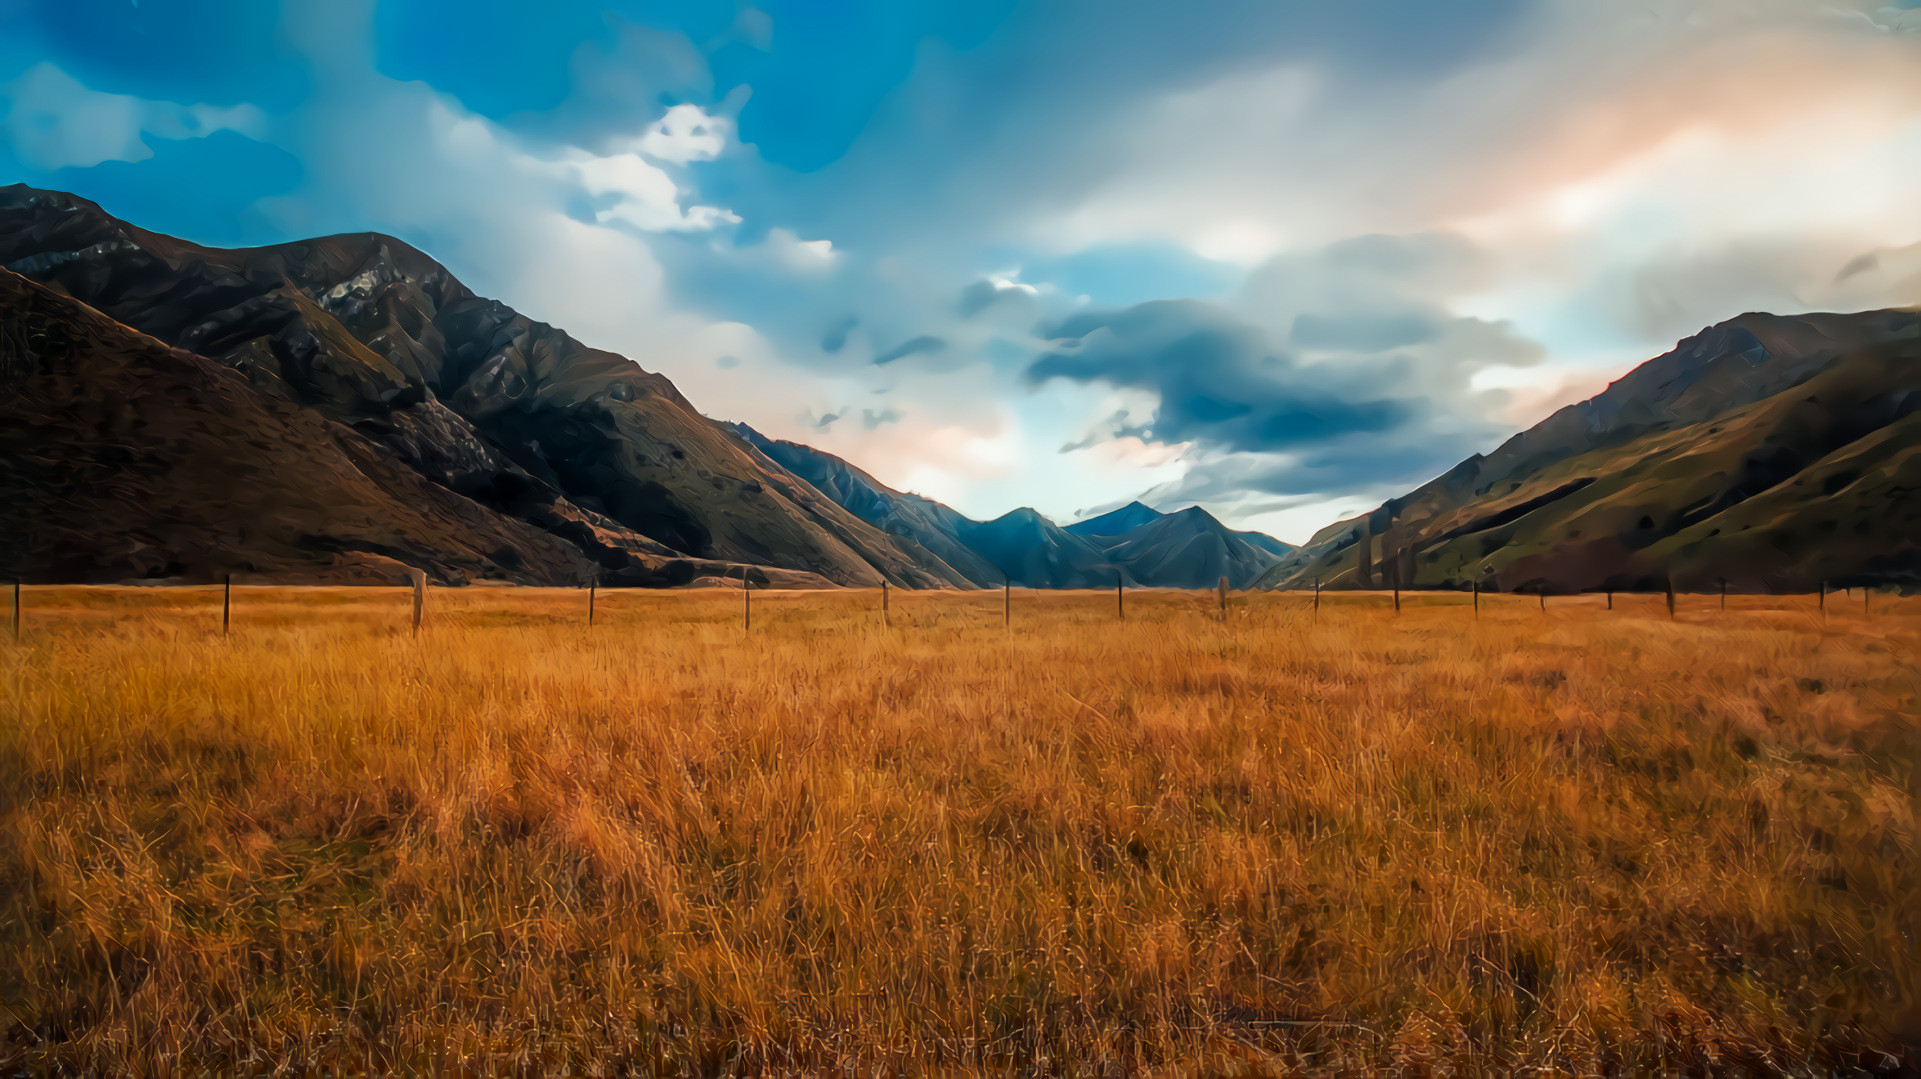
x,y
1582,839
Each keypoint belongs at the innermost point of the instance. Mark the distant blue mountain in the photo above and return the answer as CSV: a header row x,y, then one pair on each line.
x,y
1037,553
1189,549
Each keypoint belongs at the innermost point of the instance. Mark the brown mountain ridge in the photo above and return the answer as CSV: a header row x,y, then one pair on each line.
x,y
511,415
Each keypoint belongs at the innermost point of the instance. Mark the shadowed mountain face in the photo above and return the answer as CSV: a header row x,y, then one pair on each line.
x,y
1189,549
1768,452
122,458
512,415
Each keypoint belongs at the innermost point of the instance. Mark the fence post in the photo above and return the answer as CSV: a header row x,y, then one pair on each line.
x,y
1823,593
1477,598
1670,598
1317,599
1724,593
1223,599
1542,592
16,610
746,603
1120,603
226,606
1397,592
420,597
1007,600
886,616
590,604
1866,595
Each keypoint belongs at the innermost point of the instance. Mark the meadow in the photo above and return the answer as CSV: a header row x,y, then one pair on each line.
x,y
1575,838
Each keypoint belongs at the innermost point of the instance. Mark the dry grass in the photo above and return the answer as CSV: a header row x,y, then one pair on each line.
x,y
1583,838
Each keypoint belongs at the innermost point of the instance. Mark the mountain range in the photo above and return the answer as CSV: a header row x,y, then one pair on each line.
x,y
1133,545
344,409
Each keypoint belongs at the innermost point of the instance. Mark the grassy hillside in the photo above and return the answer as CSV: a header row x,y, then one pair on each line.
x,y
1573,838
1794,461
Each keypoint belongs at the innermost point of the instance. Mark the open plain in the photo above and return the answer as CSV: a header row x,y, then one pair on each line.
x,y
1569,837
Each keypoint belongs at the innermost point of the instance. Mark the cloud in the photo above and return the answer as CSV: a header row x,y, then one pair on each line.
x,y
911,347
629,190
1218,379
686,133
1327,369
52,121
835,338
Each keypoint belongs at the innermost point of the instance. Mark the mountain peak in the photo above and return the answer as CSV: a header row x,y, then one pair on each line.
x,y
1116,522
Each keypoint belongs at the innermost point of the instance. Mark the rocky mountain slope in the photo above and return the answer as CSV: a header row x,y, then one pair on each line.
x,y
511,415
1768,452
123,458
913,521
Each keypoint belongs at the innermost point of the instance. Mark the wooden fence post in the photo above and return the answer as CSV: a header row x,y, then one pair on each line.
x,y
886,616
1397,593
1724,593
1223,599
590,604
1670,598
1866,595
1610,599
1823,593
1317,599
420,598
1120,603
1007,600
16,610
226,606
1542,592
746,603
1477,598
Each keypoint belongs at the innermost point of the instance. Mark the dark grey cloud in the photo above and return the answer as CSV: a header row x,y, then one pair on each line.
x,y
1337,370
1218,379
835,338
911,347
1364,331
1017,301
976,298
1366,465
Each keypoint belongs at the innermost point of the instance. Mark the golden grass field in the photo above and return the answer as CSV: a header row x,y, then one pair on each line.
x,y
1578,839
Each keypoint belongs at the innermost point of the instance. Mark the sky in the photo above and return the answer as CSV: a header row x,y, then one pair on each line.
x,y
1280,258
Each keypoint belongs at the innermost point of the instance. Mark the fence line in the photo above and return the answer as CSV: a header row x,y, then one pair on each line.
x,y
1222,593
